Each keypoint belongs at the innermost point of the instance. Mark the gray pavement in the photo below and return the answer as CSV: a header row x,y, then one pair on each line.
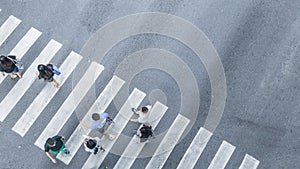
x,y
257,43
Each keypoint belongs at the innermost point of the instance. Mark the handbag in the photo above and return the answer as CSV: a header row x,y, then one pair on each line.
x,y
54,69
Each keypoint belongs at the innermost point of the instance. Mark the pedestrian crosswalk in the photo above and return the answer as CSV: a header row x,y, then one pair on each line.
x,y
45,96
22,86
132,151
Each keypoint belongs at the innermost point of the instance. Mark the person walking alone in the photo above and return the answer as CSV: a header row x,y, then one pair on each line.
x,y
46,72
143,114
101,122
56,145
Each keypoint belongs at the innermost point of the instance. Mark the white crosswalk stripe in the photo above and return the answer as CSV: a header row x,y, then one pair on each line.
x,y
133,149
168,143
222,156
23,84
195,149
69,105
45,96
8,27
249,162
133,100
24,44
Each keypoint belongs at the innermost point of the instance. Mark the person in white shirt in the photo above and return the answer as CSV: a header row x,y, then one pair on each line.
x,y
143,114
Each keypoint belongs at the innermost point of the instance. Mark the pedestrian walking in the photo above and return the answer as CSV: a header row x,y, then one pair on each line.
x,y
101,122
144,133
92,145
56,145
47,72
143,114
8,64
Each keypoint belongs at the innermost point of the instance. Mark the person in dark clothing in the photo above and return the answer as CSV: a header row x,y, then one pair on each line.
x,y
56,145
8,65
144,133
46,73
93,145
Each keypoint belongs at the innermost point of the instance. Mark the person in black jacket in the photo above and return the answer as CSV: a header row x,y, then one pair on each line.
x,y
46,73
8,65
144,133
55,145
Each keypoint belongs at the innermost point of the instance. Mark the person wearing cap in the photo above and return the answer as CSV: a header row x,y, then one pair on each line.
x,y
56,145
8,65
45,72
143,114
101,121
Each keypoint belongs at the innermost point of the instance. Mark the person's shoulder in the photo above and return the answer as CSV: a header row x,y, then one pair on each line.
x,y
104,115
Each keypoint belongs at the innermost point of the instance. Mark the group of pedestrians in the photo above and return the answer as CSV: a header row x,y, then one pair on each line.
x,y
12,66
101,121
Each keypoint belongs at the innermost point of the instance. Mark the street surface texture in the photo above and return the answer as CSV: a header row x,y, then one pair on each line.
x,y
223,79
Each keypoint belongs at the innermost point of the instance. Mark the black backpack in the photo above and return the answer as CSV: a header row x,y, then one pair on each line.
x,y
146,131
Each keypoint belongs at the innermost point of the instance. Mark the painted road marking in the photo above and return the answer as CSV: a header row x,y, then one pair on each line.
x,y
69,105
45,96
222,156
8,27
168,143
28,78
133,100
25,43
195,149
249,162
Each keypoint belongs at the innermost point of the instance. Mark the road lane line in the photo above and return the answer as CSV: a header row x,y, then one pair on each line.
x,y
195,149
8,27
222,156
19,89
133,149
70,104
249,162
45,96
168,143
133,100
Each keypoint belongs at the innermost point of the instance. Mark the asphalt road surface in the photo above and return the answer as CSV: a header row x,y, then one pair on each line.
x,y
228,69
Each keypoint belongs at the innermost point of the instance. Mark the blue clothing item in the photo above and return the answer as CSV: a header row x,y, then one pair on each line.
x,y
16,70
100,123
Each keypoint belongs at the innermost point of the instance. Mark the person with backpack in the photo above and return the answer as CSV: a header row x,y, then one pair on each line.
x,y
8,64
56,145
101,122
92,145
47,72
143,114
144,133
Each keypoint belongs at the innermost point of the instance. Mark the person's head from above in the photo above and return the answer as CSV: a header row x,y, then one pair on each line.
x,y
144,109
51,142
96,117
